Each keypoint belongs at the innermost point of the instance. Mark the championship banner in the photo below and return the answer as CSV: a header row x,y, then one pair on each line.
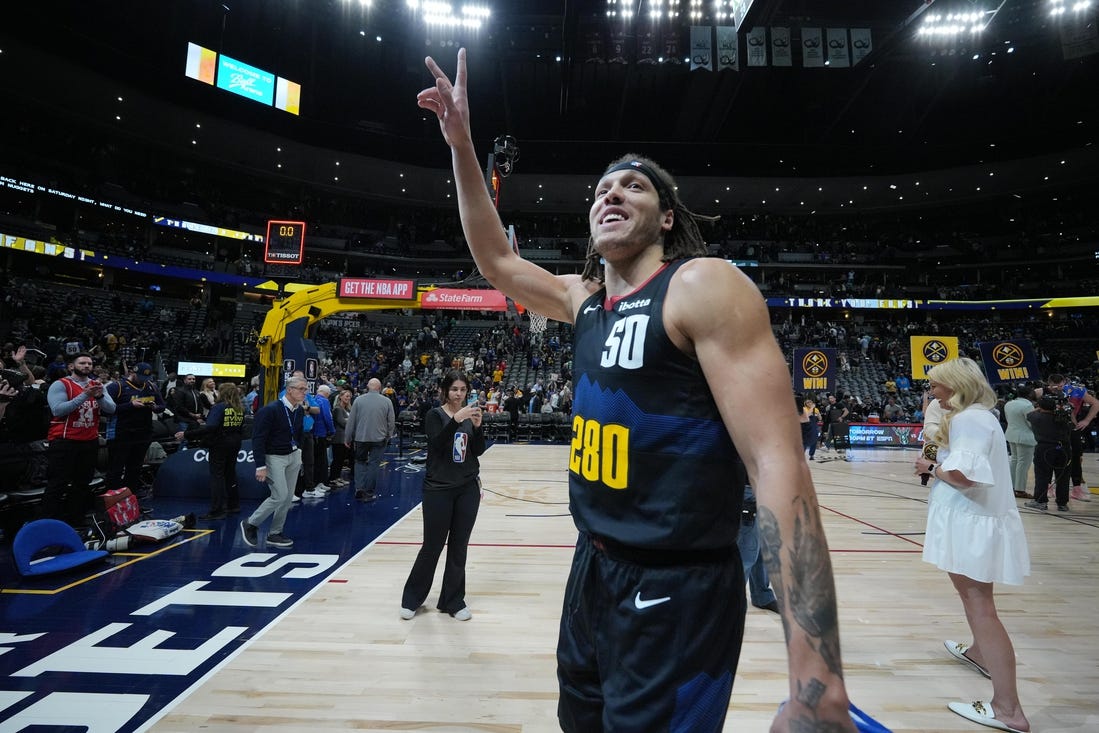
x,y
727,49
930,351
472,300
812,55
814,370
757,46
1009,361
740,9
861,44
780,47
702,50
839,55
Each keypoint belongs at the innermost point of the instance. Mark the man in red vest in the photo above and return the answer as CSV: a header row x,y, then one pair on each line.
x,y
75,404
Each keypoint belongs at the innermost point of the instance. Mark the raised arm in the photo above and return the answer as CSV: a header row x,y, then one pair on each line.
x,y
555,296
717,313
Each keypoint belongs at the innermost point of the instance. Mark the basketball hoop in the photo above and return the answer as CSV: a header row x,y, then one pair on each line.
x,y
537,322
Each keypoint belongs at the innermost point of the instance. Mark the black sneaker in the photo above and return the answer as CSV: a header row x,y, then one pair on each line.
x,y
212,516
233,510
250,534
279,540
365,495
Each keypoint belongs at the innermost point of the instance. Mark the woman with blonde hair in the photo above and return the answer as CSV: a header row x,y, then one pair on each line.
x,y
208,396
974,532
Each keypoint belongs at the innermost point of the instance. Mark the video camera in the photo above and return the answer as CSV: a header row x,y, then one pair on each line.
x,y
15,380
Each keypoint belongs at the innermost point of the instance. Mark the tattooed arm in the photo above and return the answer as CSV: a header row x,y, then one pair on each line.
x,y
716,313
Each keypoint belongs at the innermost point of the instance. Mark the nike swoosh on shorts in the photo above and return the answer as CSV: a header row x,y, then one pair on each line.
x,y
646,603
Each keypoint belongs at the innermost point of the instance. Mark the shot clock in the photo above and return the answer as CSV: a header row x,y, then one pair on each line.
x,y
285,242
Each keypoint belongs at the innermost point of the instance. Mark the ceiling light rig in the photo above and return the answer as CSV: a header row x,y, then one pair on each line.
x,y
948,26
436,13
620,9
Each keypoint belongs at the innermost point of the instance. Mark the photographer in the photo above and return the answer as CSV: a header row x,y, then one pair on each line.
x,y
75,404
1052,428
1082,406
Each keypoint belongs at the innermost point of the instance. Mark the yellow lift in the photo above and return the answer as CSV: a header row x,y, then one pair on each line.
x,y
314,303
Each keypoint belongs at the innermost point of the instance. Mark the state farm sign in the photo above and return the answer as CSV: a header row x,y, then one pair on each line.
x,y
474,300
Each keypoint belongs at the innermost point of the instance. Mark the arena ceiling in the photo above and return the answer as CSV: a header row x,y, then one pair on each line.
x,y
547,74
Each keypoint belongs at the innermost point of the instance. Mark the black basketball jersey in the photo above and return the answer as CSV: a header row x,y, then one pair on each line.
x,y
650,464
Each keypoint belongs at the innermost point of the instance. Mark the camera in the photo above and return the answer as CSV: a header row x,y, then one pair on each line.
x,y
15,380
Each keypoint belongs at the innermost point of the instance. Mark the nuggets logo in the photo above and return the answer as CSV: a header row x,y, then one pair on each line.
x,y
935,351
815,364
814,367
1007,360
1007,355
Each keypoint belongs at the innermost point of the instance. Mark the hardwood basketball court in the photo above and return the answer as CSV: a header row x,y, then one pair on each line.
x,y
342,659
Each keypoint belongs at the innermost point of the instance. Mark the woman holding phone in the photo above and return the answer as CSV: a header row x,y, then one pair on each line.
x,y
452,495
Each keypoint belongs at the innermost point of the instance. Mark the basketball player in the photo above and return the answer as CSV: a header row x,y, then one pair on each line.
x,y
674,364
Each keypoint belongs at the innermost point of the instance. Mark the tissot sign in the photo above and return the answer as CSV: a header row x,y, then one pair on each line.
x,y
359,287
475,300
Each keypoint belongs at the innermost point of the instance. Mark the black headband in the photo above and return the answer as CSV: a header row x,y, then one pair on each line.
x,y
636,165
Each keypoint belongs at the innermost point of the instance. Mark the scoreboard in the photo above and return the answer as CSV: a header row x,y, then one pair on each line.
x,y
285,242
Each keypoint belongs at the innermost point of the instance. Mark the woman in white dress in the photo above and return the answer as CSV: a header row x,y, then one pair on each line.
x,y
974,532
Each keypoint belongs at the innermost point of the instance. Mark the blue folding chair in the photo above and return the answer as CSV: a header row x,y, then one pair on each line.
x,y
50,546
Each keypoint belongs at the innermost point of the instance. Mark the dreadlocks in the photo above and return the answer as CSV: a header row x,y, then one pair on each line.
x,y
684,238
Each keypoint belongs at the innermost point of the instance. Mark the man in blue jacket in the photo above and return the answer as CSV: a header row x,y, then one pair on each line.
x,y
277,448
323,430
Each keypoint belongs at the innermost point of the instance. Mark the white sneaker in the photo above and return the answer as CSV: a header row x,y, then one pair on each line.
x,y
313,494
407,614
463,615
321,488
296,499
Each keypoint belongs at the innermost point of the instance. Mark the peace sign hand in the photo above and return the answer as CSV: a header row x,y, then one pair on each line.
x,y
448,101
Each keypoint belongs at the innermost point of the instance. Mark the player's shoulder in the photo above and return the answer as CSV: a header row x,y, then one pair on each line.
x,y
713,281
701,270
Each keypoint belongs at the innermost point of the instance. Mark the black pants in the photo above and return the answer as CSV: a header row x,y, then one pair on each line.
x,y
125,457
340,454
224,492
306,475
1076,468
449,515
1051,463
320,460
70,469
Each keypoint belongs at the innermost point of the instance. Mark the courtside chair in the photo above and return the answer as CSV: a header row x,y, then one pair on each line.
x,y
64,546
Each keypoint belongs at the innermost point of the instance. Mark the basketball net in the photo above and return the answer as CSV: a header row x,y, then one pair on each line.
x,y
537,322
